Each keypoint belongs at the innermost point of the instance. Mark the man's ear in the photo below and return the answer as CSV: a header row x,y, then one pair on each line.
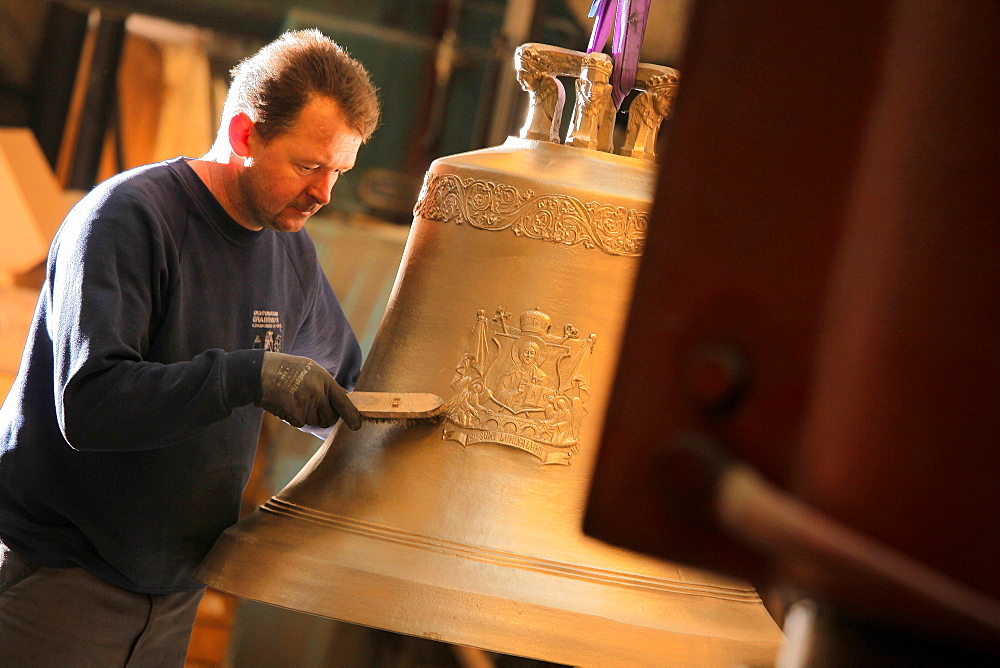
x,y
240,127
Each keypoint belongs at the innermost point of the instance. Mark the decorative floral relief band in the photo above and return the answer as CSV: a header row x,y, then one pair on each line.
x,y
557,218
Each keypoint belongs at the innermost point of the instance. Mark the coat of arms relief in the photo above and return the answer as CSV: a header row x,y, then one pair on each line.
x,y
522,387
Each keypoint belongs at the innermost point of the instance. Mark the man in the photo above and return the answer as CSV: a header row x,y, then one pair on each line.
x,y
180,299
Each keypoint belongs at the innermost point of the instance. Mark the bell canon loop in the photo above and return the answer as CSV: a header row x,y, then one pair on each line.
x,y
510,304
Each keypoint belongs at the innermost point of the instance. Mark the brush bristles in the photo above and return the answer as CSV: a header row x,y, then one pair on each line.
x,y
404,422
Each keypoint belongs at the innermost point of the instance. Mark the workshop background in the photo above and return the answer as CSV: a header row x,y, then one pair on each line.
x,y
822,310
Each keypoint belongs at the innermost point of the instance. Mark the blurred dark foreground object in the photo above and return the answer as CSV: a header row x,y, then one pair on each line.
x,y
809,390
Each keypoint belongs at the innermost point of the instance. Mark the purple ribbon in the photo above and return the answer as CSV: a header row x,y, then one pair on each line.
x,y
629,19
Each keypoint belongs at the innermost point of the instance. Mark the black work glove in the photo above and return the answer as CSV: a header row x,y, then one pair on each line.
x,y
301,392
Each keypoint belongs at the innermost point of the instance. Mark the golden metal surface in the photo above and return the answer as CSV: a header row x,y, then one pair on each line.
x,y
510,303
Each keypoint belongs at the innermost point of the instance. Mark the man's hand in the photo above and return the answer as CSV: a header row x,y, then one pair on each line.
x,y
301,392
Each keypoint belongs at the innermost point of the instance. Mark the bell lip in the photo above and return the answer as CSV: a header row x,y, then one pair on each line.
x,y
595,627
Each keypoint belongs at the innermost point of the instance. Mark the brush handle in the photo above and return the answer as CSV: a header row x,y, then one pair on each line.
x,y
401,405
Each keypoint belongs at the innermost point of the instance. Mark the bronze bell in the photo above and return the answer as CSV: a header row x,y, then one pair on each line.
x,y
510,303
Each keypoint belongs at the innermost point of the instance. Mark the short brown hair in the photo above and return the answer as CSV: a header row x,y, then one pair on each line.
x,y
273,85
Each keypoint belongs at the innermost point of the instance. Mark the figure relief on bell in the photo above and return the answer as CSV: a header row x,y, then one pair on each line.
x,y
522,387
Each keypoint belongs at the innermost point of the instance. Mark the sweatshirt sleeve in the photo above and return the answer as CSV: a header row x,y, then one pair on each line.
x,y
327,338
107,267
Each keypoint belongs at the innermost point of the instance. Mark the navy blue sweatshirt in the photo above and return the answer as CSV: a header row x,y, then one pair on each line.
x,y
129,434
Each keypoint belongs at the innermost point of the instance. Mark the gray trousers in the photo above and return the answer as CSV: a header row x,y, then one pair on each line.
x,y
67,617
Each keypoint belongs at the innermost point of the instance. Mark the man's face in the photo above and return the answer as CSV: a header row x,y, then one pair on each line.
x,y
290,176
